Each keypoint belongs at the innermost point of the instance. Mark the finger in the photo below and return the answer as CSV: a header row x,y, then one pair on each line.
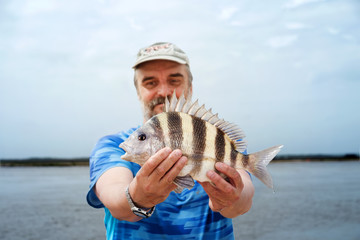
x,y
215,206
154,161
216,198
226,169
219,182
166,165
232,174
207,187
175,170
212,192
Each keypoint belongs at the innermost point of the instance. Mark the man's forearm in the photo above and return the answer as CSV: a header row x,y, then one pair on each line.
x,y
112,193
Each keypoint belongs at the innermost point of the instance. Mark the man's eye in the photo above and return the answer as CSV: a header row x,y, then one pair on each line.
x,y
175,82
150,84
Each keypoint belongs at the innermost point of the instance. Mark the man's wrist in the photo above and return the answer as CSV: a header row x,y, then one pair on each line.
x,y
139,211
136,199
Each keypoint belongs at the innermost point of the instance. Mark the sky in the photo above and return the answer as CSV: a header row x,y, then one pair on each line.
x,y
285,71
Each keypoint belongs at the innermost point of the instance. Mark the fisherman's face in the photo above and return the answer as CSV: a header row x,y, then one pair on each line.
x,y
157,80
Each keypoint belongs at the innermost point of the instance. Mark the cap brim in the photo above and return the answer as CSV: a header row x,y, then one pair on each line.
x,y
160,57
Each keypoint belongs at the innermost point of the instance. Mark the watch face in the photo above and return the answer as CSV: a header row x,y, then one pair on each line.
x,y
138,211
140,214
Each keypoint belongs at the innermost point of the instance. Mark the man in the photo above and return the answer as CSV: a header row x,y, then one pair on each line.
x,y
141,203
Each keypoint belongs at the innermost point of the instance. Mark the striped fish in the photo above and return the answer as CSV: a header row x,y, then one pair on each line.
x,y
202,137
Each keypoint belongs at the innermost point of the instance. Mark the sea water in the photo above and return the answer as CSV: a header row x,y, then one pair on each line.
x,y
312,200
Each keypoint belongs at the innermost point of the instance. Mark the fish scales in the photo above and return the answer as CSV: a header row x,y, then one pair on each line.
x,y
202,137
174,124
195,137
202,142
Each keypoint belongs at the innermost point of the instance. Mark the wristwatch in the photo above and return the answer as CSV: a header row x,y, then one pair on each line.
x,y
141,212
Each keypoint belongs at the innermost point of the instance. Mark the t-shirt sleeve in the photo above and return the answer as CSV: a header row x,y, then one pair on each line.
x,y
106,155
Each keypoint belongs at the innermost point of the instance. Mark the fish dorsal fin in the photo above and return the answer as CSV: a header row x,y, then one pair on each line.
x,y
180,104
167,105
173,103
193,108
207,115
200,112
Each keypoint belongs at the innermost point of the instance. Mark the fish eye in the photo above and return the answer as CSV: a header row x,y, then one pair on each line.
x,y
142,137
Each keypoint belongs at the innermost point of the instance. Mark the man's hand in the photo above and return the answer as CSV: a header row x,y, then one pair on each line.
x,y
154,181
233,197
152,184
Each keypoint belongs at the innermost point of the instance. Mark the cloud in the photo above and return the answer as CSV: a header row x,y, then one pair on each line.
x,y
349,37
238,23
298,3
43,55
134,25
295,25
333,31
282,41
227,13
33,7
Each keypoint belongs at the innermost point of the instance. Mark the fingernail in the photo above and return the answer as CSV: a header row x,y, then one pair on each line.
x,y
177,152
219,165
167,150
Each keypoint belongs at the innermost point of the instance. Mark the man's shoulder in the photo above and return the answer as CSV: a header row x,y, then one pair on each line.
x,y
110,143
118,137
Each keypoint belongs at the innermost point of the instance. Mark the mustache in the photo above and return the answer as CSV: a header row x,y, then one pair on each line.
x,y
152,104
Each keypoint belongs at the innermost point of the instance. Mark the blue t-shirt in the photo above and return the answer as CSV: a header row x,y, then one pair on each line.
x,y
181,216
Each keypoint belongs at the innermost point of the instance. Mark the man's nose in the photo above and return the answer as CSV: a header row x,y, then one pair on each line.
x,y
164,90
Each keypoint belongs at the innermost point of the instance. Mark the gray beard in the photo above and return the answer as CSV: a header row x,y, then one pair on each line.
x,y
148,109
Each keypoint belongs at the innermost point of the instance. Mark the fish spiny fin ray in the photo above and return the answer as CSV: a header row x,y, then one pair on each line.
x,y
213,119
167,105
192,108
207,115
180,104
186,106
200,112
173,103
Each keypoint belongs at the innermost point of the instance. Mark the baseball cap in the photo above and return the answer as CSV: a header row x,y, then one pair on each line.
x,y
161,51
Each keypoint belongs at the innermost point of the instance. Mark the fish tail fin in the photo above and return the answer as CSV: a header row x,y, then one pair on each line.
x,y
259,162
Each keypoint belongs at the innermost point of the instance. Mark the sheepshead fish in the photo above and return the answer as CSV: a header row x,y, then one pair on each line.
x,y
203,138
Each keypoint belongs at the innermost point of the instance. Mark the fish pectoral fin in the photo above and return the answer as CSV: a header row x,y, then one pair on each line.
x,y
178,189
184,182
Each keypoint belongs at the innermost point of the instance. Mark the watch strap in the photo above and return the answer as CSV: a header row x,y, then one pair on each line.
x,y
141,212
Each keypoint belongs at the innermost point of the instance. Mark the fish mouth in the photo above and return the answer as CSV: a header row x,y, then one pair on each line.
x,y
123,146
127,149
126,157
